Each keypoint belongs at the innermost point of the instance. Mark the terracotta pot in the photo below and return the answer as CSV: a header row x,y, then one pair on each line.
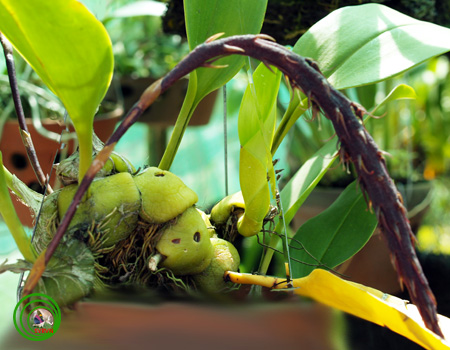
x,y
164,111
188,326
16,159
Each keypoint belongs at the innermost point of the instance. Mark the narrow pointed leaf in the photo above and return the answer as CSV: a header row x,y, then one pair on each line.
x,y
11,219
359,45
400,92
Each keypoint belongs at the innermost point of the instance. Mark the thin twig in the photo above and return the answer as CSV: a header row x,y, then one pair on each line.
x,y
356,144
26,137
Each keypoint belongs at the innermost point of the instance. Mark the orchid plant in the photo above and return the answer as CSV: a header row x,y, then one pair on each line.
x,y
109,214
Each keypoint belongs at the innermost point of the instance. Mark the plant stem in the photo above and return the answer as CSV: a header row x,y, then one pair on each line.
x,y
11,219
26,138
356,145
182,122
85,149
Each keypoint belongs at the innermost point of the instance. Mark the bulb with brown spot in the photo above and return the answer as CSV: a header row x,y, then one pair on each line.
x,y
186,244
164,196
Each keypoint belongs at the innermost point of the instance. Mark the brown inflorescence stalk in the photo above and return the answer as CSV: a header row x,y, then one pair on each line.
x,y
26,138
356,146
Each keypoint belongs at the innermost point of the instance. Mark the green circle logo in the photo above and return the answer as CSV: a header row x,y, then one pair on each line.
x,y
37,317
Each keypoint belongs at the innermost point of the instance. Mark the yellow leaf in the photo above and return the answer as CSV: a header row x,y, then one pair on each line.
x,y
361,301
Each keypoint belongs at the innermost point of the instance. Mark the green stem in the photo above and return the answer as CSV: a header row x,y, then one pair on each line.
x,y
11,219
188,108
85,150
8,177
273,243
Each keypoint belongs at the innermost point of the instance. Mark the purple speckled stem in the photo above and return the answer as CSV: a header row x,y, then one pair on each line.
x,y
26,138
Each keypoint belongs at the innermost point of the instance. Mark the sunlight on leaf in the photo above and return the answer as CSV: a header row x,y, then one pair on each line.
x,y
70,50
359,45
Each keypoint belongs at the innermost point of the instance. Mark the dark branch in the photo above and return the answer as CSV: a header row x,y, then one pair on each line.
x,y
356,145
26,138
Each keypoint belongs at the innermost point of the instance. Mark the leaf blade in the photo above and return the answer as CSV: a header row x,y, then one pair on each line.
x,y
75,61
361,301
219,16
256,125
334,235
364,44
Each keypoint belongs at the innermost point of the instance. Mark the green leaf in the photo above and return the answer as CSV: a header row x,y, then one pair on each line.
x,y
306,178
10,217
71,52
256,125
334,235
257,114
297,190
359,45
297,106
400,92
205,18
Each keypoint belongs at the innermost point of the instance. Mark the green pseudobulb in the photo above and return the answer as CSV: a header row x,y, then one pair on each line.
x,y
225,258
186,244
67,169
46,225
113,201
164,195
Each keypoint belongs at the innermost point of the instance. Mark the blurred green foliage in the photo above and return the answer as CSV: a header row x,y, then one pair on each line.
x,y
140,46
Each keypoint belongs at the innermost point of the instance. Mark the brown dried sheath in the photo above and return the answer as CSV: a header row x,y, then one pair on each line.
x,y
358,146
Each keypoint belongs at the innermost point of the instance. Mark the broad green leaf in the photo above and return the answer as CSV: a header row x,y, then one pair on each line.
x,y
361,301
205,18
71,52
400,92
256,125
334,235
359,45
